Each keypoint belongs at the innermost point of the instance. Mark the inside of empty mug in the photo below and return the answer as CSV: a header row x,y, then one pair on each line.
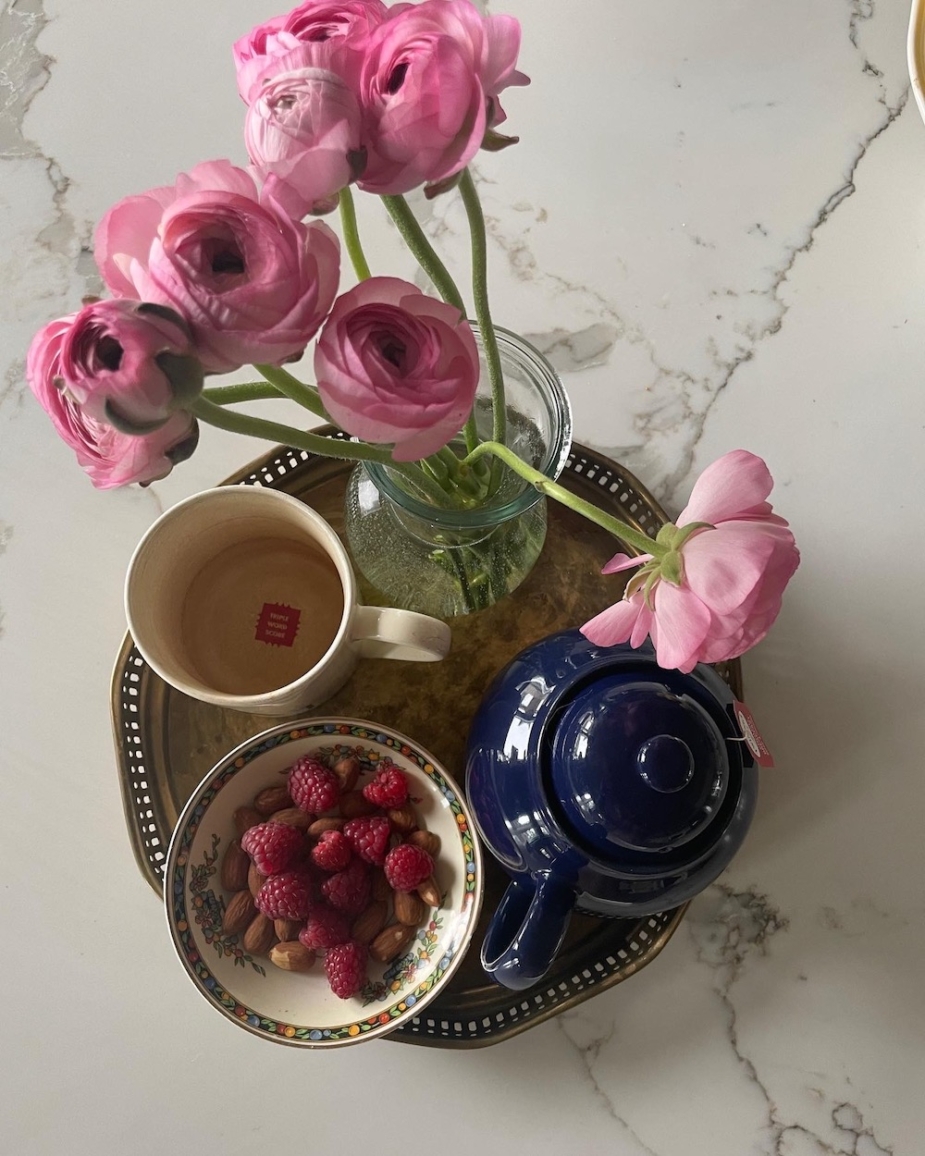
x,y
237,601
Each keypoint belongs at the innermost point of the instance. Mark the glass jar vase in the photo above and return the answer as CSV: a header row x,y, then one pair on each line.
x,y
463,556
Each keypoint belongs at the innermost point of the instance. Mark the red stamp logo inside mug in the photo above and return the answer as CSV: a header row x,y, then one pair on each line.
x,y
277,625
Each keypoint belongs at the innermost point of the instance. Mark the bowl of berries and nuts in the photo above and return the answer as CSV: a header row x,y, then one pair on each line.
x,y
323,882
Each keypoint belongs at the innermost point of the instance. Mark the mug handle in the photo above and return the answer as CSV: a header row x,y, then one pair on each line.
x,y
386,632
527,930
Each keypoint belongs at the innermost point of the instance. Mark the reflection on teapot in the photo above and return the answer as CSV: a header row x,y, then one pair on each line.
x,y
602,783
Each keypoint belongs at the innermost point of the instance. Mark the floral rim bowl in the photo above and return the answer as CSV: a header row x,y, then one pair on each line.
x,y
299,1008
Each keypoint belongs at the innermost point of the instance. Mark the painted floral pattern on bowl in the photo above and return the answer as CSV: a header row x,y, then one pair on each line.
x,y
299,1008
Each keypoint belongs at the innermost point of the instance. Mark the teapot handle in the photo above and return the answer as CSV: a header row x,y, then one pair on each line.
x,y
527,930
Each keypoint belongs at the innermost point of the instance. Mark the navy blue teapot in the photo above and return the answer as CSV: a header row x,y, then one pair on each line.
x,y
602,783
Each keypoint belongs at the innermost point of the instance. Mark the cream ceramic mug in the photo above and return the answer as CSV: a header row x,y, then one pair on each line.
x,y
244,597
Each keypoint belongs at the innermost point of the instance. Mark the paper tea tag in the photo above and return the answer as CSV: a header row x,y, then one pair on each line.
x,y
752,736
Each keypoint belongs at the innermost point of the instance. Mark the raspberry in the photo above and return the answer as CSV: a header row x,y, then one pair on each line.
x,y
348,890
345,967
272,846
313,787
286,896
407,866
388,789
369,837
325,928
332,851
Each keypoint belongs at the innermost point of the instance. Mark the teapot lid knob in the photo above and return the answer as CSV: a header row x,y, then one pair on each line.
x,y
665,763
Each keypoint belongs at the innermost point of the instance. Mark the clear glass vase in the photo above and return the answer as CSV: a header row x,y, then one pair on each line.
x,y
456,559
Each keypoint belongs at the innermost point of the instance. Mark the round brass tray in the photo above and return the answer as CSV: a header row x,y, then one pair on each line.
x,y
166,742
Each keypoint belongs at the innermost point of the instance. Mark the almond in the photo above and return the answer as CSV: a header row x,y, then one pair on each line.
x,y
245,818
430,892
371,922
404,818
292,817
426,839
254,879
381,888
352,805
272,799
292,956
347,770
391,943
319,826
239,911
260,936
409,908
287,929
234,867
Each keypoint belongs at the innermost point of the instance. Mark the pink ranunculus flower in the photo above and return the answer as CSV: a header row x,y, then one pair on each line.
x,y
253,284
109,457
291,42
129,364
304,136
429,91
394,365
732,573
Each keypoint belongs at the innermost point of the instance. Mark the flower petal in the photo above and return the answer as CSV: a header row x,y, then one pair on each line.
x,y
683,623
613,625
723,566
732,484
623,562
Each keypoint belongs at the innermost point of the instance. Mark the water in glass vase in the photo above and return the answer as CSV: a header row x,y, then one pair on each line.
x,y
484,537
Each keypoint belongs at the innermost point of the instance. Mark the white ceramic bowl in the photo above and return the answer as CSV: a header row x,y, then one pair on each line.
x,y
299,1008
915,51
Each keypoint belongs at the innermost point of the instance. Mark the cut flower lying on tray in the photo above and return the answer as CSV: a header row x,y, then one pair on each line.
x,y
221,270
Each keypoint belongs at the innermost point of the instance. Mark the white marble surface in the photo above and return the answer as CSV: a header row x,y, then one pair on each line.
x,y
716,224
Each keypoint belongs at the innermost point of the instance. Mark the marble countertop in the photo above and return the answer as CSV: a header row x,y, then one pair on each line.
x,y
715,226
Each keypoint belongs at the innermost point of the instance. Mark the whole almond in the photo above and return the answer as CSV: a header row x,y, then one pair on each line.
x,y
371,922
287,929
426,839
347,770
260,936
353,805
381,888
255,880
245,818
321,825
403,818
234,867
239,911
430,892
409,908
292,956
272,799
292,817
391,943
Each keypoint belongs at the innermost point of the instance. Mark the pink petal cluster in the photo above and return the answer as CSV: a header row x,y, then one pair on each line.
x,y
253,284
393,97
734,574
112,362
394,365
73,357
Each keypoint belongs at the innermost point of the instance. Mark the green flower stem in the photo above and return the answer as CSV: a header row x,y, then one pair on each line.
x,y
348,221
476,217
298,391
247,391
426,256
634,538
328,447
422,250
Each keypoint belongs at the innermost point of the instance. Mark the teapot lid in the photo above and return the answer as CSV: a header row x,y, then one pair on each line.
x,y
636,765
